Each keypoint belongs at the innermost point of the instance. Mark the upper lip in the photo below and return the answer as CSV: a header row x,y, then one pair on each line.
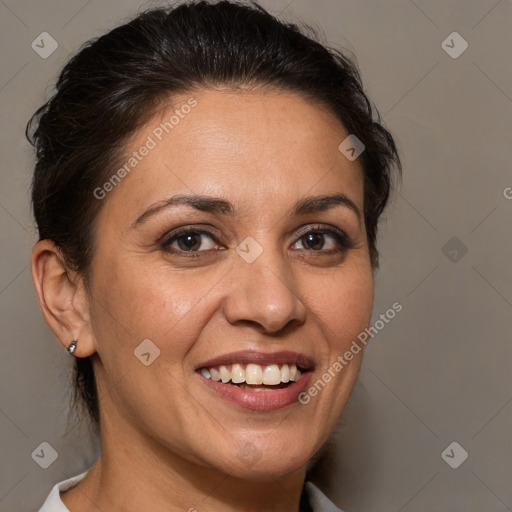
x,y
256,357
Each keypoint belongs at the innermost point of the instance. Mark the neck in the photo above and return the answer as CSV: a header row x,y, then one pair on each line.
x,y
145,477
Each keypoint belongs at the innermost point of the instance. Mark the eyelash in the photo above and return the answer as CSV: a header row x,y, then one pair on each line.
x,y
343,240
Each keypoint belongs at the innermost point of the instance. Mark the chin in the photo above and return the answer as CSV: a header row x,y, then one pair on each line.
x,y
267,471
266,462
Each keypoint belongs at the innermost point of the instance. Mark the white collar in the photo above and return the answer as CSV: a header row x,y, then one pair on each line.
x,y
318,500
53,502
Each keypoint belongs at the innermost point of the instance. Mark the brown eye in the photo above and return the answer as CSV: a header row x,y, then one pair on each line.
x,y
189,240
325,239
314,241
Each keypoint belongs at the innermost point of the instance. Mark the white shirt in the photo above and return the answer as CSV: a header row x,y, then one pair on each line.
x,y
318,500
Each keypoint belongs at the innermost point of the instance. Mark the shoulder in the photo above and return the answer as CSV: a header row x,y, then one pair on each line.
x,y
53,502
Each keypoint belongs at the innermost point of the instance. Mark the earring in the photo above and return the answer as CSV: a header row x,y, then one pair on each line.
x,y
72,346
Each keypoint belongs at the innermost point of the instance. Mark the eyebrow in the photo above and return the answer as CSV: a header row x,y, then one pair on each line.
x,y
309,204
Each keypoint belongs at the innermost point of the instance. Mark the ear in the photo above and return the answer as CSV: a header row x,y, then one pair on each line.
x,y
62,297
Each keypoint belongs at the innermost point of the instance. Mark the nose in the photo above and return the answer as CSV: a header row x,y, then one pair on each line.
x,y
264,293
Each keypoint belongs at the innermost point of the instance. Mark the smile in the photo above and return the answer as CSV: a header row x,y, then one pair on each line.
x,y
253,374
257,381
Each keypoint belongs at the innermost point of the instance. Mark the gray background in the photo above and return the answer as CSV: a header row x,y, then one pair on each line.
x,y
437,373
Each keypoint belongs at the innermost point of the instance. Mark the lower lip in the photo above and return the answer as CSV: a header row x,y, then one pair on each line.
x,y
260,400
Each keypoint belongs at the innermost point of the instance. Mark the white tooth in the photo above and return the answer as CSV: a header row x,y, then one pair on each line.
x,y
224,374
293,372
205,373
253,374
271,375
215,374
285,373
237,374
297,375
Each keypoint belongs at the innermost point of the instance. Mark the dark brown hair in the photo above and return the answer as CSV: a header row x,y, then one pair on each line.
x,y
116,83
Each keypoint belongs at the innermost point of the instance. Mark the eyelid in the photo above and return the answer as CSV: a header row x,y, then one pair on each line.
x,y
194,228
170,237
306,228
341,237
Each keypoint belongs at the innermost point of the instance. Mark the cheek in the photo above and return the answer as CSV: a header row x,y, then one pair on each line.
x,y
343,306
149,303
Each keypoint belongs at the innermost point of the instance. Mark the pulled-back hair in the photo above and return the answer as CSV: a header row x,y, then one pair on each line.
x,y
116,83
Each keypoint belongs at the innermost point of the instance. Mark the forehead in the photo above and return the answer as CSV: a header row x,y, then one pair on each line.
x,y
245,146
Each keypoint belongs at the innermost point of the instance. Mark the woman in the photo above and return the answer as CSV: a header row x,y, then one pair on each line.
x,y
207,191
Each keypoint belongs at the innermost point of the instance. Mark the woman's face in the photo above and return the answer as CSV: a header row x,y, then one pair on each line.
x,y
268,272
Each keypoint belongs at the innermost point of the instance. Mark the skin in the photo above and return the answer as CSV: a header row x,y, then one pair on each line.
x,y
168,442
